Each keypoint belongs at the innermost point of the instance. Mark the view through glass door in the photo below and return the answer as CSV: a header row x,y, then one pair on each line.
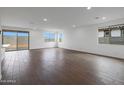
x,y
11,39
17,40
23,40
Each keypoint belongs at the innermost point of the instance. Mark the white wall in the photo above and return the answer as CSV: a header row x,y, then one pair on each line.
x,y
85,39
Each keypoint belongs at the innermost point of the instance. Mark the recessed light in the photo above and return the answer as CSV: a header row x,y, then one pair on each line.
x,y
103,18
88,8
73,26
45,19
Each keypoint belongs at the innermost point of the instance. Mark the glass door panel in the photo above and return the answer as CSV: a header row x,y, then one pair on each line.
x,y
23,40
10,38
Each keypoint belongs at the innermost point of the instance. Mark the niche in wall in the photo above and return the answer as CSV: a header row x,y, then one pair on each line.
x,y
113,34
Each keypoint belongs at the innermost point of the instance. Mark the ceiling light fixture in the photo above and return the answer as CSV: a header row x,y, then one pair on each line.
x,y
45,19
88,8
73,26
103,18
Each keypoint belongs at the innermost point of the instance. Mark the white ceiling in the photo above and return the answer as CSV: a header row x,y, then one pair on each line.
x,y
58,17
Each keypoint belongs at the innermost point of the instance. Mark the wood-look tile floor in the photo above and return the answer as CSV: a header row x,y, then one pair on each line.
x,y
60,66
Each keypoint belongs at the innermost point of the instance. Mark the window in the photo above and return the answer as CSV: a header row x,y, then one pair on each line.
x,y
116,33
60,35
101,34
49,36
111,35
53,36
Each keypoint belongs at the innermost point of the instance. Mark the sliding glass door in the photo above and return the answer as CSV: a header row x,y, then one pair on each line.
x,y
10,38
23,40
16,40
